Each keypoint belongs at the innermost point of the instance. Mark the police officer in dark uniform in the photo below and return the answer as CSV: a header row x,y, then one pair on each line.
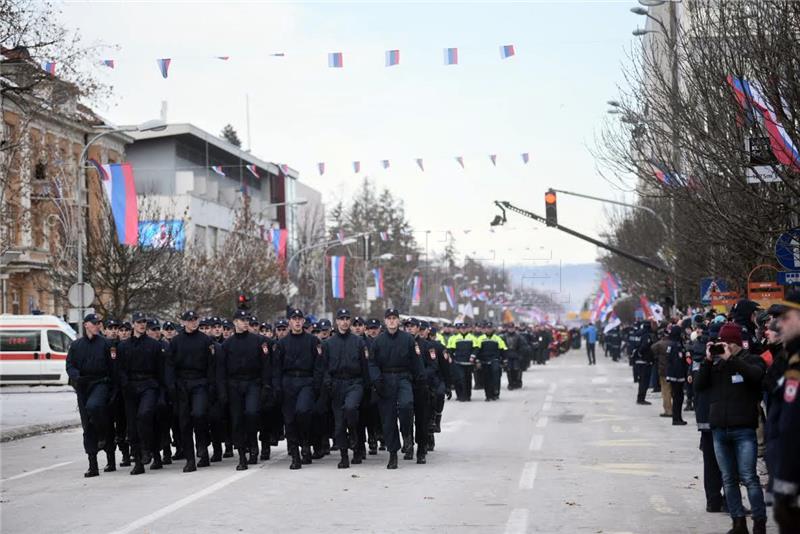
x,y
370,414
677,371
90,371
394,367
166,408
441,386
641,341
141,377
346,375
116,406
491,352
218,419
614,343
300,370
422,389
244,377
190,370
516,348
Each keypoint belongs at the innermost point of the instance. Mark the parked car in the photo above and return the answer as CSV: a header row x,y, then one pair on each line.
x,y
33,349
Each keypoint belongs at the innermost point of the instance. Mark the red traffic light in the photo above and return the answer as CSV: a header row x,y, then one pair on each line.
x,y
550,197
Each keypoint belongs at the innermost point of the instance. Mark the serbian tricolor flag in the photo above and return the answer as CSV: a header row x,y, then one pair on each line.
x,y
419,164
279,237
377,273
450,294
337,276
253,170
646,309
163,66
506,51
451,56
340,235
108,63
356,167
493,157
525,158
120,189
335,60
386,164
384,236
321,168
416,291
460,161
392,58
662,174
218,169
49,67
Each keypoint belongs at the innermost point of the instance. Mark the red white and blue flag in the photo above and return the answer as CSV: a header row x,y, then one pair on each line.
x,y
384,236
416,290
218,169
451,56
450,294
279,237
284,168
253,170
321,168
493,157
377,273
107,63
335,60
419,164
525,158
460,161
506,51
392,58
662,174
337,276
49,67
163,66
120,190
356,167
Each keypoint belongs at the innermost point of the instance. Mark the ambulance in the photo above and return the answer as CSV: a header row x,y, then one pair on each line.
x,y
33,349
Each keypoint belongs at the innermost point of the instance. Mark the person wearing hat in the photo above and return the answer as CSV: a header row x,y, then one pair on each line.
x,y
346,375
141,377
733,378
216,328
189,372
325,328
125,330
463,346
744,313
244,380
227,330
491,351
281,329
370,429
300,371
169,331
90,370
516,347
205,325
783,421
154,329
116,406
394,367
677,370
442,386
641,340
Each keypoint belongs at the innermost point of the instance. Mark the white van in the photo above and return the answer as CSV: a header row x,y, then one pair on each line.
x,y
33,349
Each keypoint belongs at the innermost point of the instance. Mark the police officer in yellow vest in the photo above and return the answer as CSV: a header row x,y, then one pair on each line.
x,y
463,346
491,352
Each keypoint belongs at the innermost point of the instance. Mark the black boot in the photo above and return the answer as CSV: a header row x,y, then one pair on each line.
x,y
138,468
264,450
421,455
739,526
253,460
111,462
296,462
228,451
373,446
431,442
125,449
305,455
191,466
204,460
179,454
157,463
392,461
93,470
216,455
167,456
409,454
242,461
437,423
358,455
760,526
345,461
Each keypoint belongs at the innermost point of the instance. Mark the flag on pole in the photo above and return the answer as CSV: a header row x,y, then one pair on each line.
x,y
416,290
224,58
340,235
384,236
377,273
335,60
525,158
506,51
645,304
385,164
493,157
163,66
337,276
253,170
107,63
662,174
392,57
451,56
49,67
284,168
218,169
321,168
460,161
279,237
450,294
120,190
356,167
419,164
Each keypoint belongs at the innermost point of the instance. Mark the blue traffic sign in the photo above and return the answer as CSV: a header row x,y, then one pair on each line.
x,y
788,278
787,249
711,285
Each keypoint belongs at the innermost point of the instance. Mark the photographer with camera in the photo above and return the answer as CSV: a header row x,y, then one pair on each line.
x,y
732,376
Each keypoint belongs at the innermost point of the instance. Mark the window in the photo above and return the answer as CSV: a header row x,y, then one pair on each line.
x,y
20,341
58,340
200,237
212,239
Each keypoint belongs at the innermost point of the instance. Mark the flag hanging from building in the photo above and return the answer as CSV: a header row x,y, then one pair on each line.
x,y
506,51
416,290
337,276
384,236
218,169
419,164
163,66
120,190
279,238
493,157
335,60
386,164
107,63
377,273
450,294
460,161
392,58
340,235
49,67
356,167
253,170
321,168
525,158
662,174
451,56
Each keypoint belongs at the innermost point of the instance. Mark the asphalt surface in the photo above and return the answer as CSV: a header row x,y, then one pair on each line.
x,y
28,410
570,452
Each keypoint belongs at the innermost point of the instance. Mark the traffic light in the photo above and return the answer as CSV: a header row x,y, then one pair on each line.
x,y
242,301
551,213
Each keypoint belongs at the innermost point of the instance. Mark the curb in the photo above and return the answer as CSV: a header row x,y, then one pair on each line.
x,y
37,430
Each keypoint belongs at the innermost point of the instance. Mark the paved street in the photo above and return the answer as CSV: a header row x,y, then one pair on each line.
x,y
571,452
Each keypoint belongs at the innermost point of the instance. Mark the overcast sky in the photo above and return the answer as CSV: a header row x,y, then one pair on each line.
x,y
548,100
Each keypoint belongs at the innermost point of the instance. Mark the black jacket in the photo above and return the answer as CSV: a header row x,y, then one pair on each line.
x,y
734,388
89,359
345,356
394,352
190,357
141,360
299,353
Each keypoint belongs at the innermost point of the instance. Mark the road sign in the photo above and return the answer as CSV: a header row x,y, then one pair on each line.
x,y
765,293
787,249
788,278
74,295
74,314
711,285
724,300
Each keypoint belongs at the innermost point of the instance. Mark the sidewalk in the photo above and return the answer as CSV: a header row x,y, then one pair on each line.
x,y
32,410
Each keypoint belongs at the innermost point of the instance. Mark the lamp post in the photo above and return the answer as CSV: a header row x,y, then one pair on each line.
x,y
148,126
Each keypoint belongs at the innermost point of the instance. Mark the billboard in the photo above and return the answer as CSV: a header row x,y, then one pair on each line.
x,y
158,234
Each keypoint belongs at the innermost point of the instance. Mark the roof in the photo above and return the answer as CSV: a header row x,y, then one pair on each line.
x,y
173,130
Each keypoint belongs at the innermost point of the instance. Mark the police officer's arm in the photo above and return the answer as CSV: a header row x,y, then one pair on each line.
x,y
415,362
221,372
363,351
374,370
277,367
327,381
787,470
212,349
72,361
319,366
122,363
169,365
161,363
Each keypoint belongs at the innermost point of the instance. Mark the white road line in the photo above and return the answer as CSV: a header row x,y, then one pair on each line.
x,y
536,442
552,388
528,475
617,428
36,471
548,398
546,406
517,522
542,422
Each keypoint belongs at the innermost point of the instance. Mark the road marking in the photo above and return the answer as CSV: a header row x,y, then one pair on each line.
x,y
552,388
616,428
36,471
637,442
536,442
548,398
625,469
600,380
546,406
517,522
528,475
661,506
542,422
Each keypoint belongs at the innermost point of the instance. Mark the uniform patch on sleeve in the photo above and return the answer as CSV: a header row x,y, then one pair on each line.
x,y
211,349
790,390
366,353
113,353
319,350
265,348
416,349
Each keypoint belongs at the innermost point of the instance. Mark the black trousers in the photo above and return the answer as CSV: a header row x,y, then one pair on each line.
x,y
677,400
712,476
140,406
94,412
643,374
590,353
193,416
244,400
347,396
422,414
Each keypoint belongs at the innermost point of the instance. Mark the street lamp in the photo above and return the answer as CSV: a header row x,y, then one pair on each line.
x,y
149,126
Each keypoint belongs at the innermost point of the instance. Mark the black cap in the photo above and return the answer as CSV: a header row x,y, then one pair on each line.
x,y
91,318
307,323
392,312
357,320
254,320
281,323
424,325
295,312
169,325
205,321
125,326
373,323
315,327
266,326
153,324
189,315
138,316
215,321
112,323
227,324
342,313
324,324
790,302
241,314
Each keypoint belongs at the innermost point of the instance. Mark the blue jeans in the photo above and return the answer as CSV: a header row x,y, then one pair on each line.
x,y
735,449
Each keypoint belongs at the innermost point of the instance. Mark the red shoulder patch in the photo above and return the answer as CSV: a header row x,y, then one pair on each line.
x,y
790,390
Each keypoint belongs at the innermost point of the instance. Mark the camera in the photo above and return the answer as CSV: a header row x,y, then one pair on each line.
x,y
717,349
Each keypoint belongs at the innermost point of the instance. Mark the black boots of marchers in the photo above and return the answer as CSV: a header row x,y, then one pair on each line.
x,y
93,471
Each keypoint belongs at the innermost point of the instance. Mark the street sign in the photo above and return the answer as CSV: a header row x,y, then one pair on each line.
x,y
788,278
724,300
787,249
765,293
711,285
74,295
74,314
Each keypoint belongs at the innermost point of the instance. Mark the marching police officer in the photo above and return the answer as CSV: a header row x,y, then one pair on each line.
x,y
614,343
641,341
517,346
89,366
491,351
463,346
